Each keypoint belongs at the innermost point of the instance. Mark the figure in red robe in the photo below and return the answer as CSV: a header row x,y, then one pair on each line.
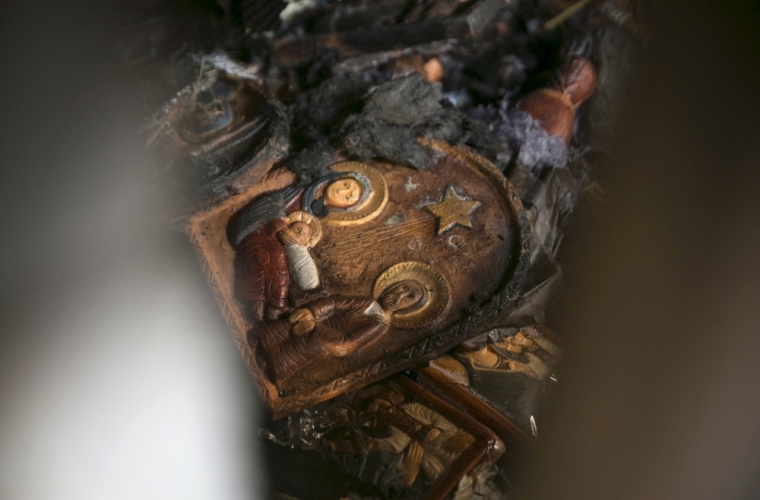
x,y
262,270
261,266
268,249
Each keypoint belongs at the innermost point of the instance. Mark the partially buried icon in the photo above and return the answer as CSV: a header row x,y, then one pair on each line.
x,y
345,279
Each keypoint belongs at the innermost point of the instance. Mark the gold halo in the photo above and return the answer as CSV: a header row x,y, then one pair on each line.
x,y
372,205
434,283
309,220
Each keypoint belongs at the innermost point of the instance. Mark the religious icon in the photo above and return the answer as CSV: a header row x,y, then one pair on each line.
x,y
422,439
269,253
529,351
408,295
216,136
513,375
396,437
353,192
364,271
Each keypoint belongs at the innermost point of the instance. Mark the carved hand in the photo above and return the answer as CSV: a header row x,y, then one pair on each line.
x,y
302,314
434,433
287,237
340,350
411,462
303,327
458,442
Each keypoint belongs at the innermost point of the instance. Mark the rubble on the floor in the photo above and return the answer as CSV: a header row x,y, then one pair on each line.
x,y
372,79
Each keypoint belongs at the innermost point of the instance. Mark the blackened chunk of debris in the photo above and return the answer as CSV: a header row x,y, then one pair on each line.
x,y
379,139
396,114
187,173
536,149
313,162
320,111
407,101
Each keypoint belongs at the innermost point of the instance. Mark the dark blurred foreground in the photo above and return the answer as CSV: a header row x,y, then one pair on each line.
x,y
118,379
661,392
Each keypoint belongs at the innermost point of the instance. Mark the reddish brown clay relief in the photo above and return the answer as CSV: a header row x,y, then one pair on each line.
x,y
364,270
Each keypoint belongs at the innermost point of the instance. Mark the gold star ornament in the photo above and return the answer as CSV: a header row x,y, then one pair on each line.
x,y
453,210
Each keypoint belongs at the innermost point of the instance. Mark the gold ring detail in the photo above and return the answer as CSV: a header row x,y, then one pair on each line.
x,y
434,283
372,205
309,220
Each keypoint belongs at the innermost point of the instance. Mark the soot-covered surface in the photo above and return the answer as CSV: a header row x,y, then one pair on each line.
x,y
462,88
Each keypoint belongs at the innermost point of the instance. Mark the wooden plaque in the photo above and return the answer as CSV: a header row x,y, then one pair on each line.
x,y
509,395
420,261
395,437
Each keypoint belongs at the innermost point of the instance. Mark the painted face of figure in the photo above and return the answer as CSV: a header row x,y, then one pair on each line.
x,y
298,233
301,231
342,193
402,295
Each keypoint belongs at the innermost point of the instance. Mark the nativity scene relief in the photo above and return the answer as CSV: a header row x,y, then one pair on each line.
x,y
381,196
366,261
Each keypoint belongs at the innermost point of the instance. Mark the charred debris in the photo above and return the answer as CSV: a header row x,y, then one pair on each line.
x,y
532,85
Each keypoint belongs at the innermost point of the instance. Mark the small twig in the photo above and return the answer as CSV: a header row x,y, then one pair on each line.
x,y
564,15
161,127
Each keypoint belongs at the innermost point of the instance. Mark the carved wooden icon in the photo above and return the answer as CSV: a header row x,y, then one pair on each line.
x,y
504,384
215,138
365,272
396,437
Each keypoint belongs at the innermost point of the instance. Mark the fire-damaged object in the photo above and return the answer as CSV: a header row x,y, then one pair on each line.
x,y
383,239
385,187
541,125
511,375
364,272
215,136
299,50
554,108
395,439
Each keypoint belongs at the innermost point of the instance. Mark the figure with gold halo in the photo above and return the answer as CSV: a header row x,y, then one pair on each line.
x,y
337,192
269,255
272,234
406,295
332,327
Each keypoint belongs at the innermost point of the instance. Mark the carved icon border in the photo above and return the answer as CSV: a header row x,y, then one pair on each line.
x,y
215,257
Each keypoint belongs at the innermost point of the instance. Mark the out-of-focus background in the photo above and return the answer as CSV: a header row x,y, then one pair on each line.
x,y
118,378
